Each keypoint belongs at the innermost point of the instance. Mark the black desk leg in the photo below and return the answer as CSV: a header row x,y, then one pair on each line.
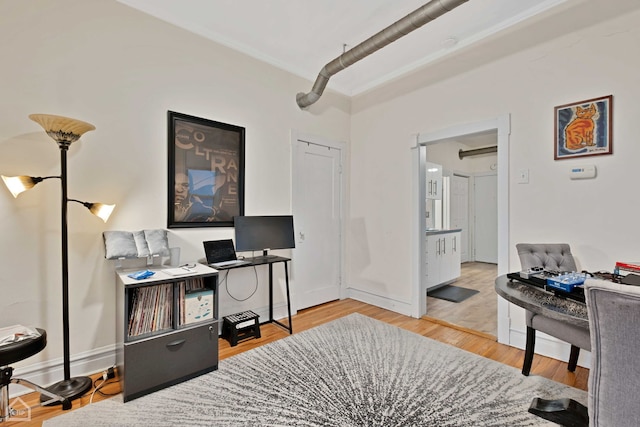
x,y
286,276
272,320
270,292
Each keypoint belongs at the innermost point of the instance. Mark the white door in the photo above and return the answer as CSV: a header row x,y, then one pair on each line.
x,y
460,212
317,209
486,218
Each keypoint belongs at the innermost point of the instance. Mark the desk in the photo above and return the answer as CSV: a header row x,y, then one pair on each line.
x,y
270,260
561,411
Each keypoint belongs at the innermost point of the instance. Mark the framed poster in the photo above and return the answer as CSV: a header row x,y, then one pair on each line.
x,y
583,128
206,172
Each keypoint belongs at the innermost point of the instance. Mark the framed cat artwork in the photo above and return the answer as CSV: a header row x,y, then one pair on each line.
x,y
583,128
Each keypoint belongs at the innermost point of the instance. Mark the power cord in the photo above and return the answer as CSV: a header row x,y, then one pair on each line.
x,y
226,285
97,387
107,375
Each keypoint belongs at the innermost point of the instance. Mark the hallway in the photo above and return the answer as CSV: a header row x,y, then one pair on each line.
x,y
480,311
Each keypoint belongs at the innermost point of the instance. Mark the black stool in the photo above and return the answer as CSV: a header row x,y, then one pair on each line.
x,y
11,353
233,334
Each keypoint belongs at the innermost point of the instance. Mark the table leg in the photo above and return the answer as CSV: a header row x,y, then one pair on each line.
x,y
270,292
286,276
566,412
290,326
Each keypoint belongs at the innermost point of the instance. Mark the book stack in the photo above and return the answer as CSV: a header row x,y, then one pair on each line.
x,y
629,272
151,309
624,268
195,302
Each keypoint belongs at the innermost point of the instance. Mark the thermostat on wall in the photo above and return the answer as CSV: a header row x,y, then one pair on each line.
x,y
582,172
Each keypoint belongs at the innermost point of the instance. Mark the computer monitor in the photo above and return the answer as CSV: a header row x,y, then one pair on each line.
x,y
263,233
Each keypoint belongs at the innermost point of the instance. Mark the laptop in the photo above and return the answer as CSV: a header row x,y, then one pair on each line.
x,y
221,254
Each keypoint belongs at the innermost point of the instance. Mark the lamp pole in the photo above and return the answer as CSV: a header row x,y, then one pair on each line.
x,y
75,387
64,147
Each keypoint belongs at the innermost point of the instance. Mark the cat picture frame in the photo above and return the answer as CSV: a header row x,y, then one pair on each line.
x,y
583,128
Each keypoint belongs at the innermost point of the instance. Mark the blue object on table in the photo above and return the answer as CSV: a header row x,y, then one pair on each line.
x,y
143,274
566,282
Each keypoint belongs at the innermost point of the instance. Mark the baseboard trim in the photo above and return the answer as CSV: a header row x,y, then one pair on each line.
x,y
381,301
51,371
460,328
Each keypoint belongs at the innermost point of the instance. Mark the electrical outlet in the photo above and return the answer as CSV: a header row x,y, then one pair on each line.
x,y
111,372
523,176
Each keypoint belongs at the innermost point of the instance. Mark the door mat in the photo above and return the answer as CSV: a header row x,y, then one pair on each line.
x,y
452,293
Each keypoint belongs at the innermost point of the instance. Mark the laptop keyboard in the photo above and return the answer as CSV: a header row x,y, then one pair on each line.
x,y
229,263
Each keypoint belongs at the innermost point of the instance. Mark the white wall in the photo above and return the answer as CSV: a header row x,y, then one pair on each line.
x,y
446,154
104,63
597,217
121,70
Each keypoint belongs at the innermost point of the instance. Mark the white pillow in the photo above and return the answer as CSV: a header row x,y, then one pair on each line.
x,y
119,244
157,241
141,244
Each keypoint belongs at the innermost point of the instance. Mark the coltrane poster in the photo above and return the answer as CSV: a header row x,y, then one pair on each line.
x,y
206,172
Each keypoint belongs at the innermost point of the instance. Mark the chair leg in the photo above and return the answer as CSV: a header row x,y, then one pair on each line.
x,y
66,403
528,352
5,380
573,358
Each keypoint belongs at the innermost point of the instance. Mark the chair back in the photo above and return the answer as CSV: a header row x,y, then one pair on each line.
x,y
614,315
550,256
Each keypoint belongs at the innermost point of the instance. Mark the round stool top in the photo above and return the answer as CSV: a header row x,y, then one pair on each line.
x,y
20,350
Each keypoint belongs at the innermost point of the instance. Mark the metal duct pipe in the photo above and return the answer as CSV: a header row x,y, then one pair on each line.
x,y
475,152
416,19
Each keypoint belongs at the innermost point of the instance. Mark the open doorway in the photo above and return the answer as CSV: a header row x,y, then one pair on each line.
x,y
498,131
469,204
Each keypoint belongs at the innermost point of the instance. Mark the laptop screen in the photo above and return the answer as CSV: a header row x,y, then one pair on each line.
x,y
219,251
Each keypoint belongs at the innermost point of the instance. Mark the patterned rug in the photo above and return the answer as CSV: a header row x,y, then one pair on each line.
x,y
354,371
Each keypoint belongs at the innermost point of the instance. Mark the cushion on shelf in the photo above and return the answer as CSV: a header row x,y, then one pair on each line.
x,y
137,244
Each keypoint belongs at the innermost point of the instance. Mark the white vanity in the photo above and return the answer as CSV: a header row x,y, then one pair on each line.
x,y
443,257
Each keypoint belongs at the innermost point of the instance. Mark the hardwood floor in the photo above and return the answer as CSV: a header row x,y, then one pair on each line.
x,y
479,312
460,337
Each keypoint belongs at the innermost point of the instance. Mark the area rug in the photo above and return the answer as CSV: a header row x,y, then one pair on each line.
x,y
354,371
452,293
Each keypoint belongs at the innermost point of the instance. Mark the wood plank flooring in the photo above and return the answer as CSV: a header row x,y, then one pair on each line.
x,y
460,337
479,312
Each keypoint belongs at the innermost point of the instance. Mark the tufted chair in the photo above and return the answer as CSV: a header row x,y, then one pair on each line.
x,y
614,313
556,257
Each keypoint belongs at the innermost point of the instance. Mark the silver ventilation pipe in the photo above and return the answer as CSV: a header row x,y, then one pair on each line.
x,y
477,151
416,19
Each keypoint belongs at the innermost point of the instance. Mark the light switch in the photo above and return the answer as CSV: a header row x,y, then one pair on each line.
x,y
523,176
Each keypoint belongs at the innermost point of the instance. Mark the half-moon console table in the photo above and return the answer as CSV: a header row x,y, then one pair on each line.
x,y
537,300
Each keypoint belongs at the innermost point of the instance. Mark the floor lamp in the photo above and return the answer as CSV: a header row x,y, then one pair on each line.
x,y
64,131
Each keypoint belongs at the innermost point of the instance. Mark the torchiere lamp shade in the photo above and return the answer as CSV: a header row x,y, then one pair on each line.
x,y
62,129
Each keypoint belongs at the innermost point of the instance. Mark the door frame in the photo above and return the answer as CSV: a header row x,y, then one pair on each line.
x,y
295,170
502,125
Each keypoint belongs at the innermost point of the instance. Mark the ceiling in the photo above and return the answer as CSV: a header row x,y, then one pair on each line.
x,y
301,36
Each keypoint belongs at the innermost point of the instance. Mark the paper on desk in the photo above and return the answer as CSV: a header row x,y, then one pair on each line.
x,y
179,271
17,333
